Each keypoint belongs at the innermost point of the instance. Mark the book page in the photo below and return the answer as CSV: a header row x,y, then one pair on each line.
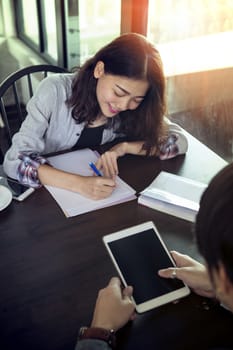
x,y
72,203
168,208
175,189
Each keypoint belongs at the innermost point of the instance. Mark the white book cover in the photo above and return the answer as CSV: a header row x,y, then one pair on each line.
x,y
73,203
173,194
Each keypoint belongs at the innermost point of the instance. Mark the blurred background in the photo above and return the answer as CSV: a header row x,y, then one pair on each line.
x,y
194,38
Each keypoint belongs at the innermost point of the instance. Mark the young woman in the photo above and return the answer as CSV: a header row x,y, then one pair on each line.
x,y
214,232
119,94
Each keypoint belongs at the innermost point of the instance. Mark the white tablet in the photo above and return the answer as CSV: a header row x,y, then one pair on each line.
x,y
138,253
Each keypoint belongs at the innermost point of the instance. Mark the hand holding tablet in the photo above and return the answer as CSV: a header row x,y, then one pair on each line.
x,y
138,253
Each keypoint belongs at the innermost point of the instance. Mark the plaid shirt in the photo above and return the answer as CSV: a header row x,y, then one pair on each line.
x,y
169,148
27,170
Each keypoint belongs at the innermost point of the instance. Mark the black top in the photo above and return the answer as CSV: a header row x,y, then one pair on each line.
x,y
90,137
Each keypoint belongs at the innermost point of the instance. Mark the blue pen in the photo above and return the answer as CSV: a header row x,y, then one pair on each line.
x,y
96,171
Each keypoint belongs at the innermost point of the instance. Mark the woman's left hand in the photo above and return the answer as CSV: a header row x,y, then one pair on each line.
x,y
191,272
107,162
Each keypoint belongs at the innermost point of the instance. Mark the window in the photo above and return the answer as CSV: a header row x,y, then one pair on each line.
x,y
178,20
195,42
181,29
90,25
1,22
37,26
99,24
50,28
29,28
67,32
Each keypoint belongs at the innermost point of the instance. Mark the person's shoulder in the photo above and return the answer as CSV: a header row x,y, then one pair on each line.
x,y
56,84
59,79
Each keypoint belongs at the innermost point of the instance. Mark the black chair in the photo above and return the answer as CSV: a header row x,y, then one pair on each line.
x,y
15,91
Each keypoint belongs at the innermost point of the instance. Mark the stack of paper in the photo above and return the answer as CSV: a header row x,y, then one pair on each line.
x,y
174,195
72,203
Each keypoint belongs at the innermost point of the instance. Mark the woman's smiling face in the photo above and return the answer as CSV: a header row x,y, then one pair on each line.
x,y
116,93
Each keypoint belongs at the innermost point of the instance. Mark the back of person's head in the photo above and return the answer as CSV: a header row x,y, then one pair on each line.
x,y
214,223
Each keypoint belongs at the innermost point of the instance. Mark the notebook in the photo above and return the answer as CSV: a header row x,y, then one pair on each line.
x,y
73,203
173,194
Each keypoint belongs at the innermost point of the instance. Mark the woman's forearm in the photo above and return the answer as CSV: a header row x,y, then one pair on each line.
x,y
58,178
133,148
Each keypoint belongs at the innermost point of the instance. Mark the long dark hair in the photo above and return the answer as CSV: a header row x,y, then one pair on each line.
x,y
131,56
214,223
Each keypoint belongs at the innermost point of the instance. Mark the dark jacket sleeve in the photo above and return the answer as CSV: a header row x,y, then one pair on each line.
x,y
92,344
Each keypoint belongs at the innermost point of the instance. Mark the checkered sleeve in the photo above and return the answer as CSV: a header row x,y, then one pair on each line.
x,y
27,170
172,145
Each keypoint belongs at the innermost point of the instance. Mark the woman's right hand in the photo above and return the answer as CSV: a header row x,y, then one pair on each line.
x,y
95,187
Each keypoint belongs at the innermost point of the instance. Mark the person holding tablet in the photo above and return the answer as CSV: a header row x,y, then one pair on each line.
x,y
117,95
214,235
214,228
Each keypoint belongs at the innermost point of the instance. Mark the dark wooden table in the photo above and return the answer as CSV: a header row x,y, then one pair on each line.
x,y
51,268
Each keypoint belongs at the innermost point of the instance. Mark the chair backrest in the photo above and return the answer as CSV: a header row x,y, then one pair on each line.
x,y
15,91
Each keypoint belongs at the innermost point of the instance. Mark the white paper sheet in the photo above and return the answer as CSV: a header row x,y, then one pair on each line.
x,y
73,203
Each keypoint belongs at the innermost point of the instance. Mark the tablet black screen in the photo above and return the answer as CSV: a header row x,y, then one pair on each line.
x,y
139,258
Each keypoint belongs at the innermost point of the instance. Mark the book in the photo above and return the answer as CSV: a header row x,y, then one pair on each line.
x,y
173,194
73,203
